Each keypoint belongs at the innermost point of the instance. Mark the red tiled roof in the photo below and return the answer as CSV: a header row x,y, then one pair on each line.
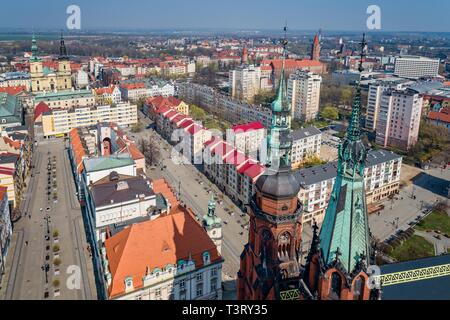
x,y
194,129
107,90
248,127
132,86
7,171
144,247
439,116
14,144
13,90
186,124
40,109
236,158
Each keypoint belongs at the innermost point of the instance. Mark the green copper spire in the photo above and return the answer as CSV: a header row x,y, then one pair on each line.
x,y
210,220
344,237
212,207
279,139
34,49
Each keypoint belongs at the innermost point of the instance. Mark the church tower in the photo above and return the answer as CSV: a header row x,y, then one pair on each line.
x,y
315,50
64,79
270,261
213,225
337,264
36,71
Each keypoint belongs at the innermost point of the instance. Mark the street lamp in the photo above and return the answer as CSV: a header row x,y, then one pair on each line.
x,y
46,267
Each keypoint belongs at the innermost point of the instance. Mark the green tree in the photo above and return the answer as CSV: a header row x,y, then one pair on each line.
x,y
330,113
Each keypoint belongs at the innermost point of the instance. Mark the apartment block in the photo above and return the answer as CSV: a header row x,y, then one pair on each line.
x,y
382,180
399,118
304,94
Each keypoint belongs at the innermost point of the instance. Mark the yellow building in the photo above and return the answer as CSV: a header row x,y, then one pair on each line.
x,y
46,79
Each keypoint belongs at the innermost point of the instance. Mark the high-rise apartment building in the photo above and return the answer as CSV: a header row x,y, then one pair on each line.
x,y
304,94
415,67
246,81
399,118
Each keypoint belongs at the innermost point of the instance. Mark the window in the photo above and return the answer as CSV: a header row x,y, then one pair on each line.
x,y
158,294
199,291
199,277
213,284
182,285
213,272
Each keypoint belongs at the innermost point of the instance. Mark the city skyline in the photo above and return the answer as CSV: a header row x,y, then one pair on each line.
x,y
345,15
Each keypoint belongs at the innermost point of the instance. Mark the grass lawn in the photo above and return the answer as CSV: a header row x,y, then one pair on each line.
x,y
414,248
437,220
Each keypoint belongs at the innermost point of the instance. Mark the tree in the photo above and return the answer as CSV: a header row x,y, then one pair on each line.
x,y
137,127
151,150
330,113
197,113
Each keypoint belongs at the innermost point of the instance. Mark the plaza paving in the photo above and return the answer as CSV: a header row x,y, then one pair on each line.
x,y
25,279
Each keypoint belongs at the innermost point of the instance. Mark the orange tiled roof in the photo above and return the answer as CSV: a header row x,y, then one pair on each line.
x,y
161,186
144,247
439,116
13,90
14,144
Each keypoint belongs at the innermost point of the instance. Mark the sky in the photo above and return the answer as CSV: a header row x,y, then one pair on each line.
x,y
348,15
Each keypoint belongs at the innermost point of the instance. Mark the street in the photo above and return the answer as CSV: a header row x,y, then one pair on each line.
x,y
48,257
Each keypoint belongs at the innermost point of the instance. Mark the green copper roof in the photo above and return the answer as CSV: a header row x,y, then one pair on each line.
x,y
279,139
211,219
34,50
344,236
107,163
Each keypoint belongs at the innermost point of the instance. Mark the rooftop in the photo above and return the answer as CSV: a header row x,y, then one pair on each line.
x,y
305,133
153,246
107,163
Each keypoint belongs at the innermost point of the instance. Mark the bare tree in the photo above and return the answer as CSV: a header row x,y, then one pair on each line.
x,y
151,151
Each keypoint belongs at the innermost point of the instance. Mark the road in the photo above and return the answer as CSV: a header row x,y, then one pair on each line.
x,y
34,241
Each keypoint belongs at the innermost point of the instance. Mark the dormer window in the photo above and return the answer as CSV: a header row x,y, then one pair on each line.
x,y
129,284
206,258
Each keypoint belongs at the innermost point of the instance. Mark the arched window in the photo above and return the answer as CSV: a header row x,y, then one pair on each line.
x,y
336,286
358,290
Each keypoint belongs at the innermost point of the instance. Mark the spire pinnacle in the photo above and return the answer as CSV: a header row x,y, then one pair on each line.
x,y
62,48
354,129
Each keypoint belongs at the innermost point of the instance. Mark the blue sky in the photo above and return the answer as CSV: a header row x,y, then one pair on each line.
x,y
397,15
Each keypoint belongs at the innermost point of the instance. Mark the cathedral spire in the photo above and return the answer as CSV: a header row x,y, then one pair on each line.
x,y
279,140
62,48
345,230
354,129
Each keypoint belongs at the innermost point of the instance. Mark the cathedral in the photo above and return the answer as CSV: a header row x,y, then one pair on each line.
x,y
46,79
341,253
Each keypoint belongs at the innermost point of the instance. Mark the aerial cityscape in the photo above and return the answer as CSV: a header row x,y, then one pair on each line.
x,y
265,156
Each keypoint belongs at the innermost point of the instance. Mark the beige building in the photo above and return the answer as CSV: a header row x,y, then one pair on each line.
x,y
59,122
306,143
47,79
382,179
304,94
68,99
247,81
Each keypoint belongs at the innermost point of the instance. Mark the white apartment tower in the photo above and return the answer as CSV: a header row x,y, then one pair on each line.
x,y
304,94
374,99
399,118
415,67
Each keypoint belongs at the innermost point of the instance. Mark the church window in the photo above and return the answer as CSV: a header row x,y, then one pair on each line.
x,y
358,290
336,284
